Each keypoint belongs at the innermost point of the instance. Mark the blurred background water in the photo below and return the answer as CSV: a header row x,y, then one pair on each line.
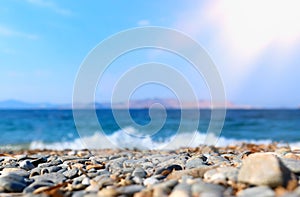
x,y
56,128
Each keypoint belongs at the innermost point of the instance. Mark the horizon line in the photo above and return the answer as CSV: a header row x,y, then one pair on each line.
x,y
87,105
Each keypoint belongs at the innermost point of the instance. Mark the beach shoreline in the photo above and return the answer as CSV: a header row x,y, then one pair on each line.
x,y
244,170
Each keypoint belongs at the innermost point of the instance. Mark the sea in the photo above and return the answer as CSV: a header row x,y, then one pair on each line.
x,y
56,129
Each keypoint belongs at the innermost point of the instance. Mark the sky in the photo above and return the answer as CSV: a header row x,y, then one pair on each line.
x,y
255,45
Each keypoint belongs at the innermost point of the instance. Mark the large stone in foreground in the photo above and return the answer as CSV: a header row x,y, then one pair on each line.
x,y
12,183
264,169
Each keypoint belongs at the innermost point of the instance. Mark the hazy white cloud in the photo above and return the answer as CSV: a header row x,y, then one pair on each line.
x,y
246,27
50,5
251,26
143,22
240,32
5,31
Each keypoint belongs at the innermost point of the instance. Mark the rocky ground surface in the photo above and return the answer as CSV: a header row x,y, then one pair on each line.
x,y
247,170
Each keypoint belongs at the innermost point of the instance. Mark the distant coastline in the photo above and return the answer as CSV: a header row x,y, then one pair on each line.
x,y
134,104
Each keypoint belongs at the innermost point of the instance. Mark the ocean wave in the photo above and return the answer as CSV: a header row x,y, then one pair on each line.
x,y
125,139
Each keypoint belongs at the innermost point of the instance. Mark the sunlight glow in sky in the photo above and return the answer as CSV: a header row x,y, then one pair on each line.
x,y
254,43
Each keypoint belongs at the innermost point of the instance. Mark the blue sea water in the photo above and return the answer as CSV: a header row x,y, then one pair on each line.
x,y
56,128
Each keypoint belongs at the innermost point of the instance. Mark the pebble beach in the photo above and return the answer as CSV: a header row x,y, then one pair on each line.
x,y
245,170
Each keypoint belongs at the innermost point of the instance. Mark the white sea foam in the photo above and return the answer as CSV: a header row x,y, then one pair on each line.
x,y
121,139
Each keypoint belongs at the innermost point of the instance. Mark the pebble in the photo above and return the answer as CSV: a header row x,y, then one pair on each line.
x,y
78,180
79,186
130,163
181,190
139,172
130,190
94,187
50,169
16,170
71,173
104,180
211,194
202,187
107,192
195,172
20,172
52,163
127,170
167,184
161,192
168,169
137,180
144,193
26,165
292,164
150,181
292,156
297,190
38,161
86,181
147,165
201,171
212,160
264,169
288,194
32,187
194,163
261,191
35,172
12,183
55,178
221,175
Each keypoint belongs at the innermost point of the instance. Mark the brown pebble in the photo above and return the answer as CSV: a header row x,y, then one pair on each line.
x,y
165,172
292,156
144,193
40,190
124,182
280,191
292,184
115,177
108,192
96,167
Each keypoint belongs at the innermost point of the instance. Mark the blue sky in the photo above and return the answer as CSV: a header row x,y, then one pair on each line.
x,y
255,45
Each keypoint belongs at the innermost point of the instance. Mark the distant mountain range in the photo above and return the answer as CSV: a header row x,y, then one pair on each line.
x,y
134,104
15,104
